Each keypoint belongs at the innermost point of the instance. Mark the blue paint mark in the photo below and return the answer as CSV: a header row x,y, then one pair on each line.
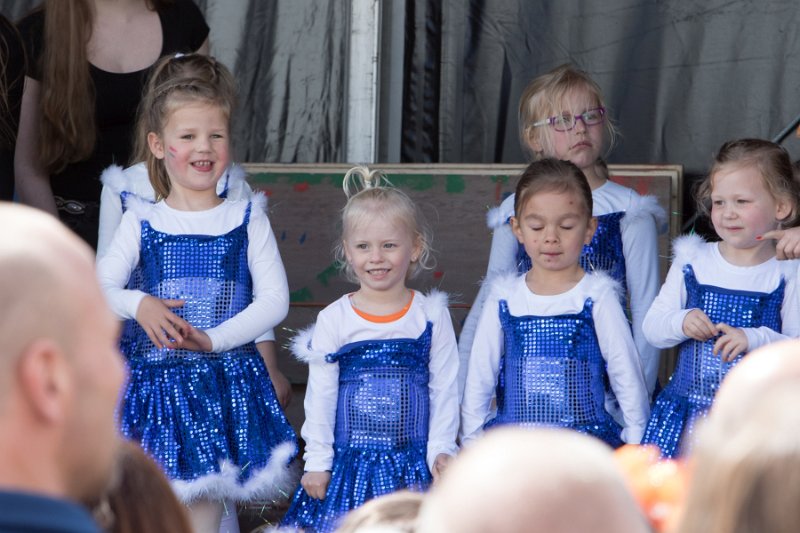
x,y
303,238
283,235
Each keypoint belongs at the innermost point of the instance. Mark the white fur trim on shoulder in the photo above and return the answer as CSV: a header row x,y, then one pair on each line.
x,y
236,174
139,206
497,216
644,206
686,247
275,481
599,283
260,201
435,303
113,177
503,283
300,346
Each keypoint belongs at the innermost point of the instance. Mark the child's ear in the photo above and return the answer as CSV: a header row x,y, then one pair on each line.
x,y
534,141
784,208
155,144
591,227
516,229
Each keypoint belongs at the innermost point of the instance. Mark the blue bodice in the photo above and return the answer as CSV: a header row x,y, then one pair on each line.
x,y
209,272
604,252
383,393
699,372
552,373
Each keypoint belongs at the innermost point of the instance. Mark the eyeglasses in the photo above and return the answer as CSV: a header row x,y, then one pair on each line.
x,y
566,122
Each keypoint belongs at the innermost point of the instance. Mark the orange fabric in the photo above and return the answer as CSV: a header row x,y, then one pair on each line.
x,y
384,319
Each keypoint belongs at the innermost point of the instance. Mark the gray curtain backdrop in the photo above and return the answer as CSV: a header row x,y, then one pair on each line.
x,y
680,76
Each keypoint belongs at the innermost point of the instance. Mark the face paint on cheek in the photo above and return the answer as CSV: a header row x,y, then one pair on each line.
x,y
172,151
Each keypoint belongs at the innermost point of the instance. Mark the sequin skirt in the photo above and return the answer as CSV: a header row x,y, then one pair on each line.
x,y
673,417
358,475
212,423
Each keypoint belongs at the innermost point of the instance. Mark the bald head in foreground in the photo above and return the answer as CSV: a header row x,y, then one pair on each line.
x,y
60,376
518,480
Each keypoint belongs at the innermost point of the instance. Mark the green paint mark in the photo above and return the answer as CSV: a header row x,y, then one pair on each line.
x,y
328,273
301,295
455,184
500,179
415,182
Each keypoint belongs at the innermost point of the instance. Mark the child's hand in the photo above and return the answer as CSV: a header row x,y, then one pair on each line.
x,y
196,340
788,245
698,326
316,483
732,342
440,465
165,328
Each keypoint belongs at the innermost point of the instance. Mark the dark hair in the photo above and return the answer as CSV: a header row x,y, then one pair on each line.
x,y
772,162
177,80
552,175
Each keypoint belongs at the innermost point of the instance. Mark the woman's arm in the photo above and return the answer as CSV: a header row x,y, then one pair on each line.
x,y
31,179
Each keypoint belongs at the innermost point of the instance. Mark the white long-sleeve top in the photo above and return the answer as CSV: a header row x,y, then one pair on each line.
x,y
270,289
135,180
639,227
663,324
613,337
338,325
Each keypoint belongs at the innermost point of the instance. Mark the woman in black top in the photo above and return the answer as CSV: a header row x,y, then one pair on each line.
x,y
79,102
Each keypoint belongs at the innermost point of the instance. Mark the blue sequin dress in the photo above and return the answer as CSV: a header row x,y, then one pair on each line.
x,y
694,383
381,431
211,420
551,374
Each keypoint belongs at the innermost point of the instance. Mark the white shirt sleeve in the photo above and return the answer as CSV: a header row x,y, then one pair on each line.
x,y
443,389
640,248
484,367
663,323
115,267
270,290
110,218
623,365
322,393
502,259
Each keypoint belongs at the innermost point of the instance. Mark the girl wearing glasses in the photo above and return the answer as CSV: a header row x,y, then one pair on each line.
x,y
562,115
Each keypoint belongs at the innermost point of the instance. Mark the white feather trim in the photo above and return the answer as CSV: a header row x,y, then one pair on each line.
x,y
139,206
435,303
643,207
599,283
300,346
504,282
686,247
275,481
260,201
236,175
497,216
133,179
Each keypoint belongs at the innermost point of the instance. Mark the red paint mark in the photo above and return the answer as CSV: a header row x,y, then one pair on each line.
x,y
172,150
498,189
301,187
438,275
268,192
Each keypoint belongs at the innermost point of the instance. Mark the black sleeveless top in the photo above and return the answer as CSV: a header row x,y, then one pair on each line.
x,y
117,96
